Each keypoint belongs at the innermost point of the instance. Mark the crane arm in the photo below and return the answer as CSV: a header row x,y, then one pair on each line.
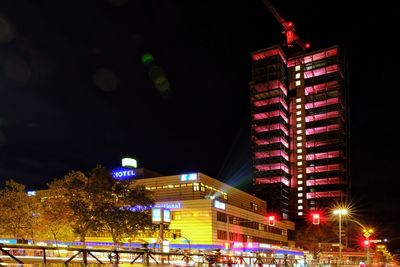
x,y
288,28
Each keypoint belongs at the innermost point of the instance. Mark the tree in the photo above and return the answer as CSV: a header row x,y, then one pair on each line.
x,y
55,212
128,211
18,211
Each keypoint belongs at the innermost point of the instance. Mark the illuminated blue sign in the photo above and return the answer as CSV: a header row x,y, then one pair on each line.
x,y
166,205
189,177
123,174
219,205
156,215
167,215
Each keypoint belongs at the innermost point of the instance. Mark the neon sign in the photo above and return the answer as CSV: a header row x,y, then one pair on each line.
x,y
171,205
219,205
123,173
189,177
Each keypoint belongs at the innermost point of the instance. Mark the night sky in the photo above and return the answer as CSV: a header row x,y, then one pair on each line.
x,y
76,92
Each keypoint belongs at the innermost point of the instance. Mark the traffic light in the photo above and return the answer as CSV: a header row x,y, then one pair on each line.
x,y
315,218
271,220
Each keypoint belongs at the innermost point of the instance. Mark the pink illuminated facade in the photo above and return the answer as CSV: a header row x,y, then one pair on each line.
x,y
299,129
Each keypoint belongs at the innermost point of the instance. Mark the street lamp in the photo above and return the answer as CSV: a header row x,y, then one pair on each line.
x,y
340,212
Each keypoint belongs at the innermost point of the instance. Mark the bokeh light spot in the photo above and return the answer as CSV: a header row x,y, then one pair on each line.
x,y
147,59
17,72
105,79
6,30
156,72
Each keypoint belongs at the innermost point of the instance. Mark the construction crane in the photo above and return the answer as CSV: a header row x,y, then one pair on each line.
x,y
288,28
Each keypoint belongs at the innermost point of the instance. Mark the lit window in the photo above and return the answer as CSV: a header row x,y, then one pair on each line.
x,y
299,163
299,138
195,187
300,182
300,207
300,194
298,106
299,144
300,201
299,157
298,83
299,188
299,131
299,151
300,213
298,119
298,112
298,125
298,100
297,68
297,75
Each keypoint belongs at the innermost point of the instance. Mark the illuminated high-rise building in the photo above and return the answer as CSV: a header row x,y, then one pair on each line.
x,y
299,129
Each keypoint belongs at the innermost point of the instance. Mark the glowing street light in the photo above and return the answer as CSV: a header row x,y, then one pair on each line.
x,y
340,212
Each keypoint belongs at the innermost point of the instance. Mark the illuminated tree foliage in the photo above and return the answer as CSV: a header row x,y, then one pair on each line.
x,y
100,203
128,211
17,211
55,213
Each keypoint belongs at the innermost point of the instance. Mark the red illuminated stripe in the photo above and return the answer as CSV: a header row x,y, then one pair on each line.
x,y
271,167
322,129
272,153
271,85
273,140
272,180
327,181
324,116
321,71
320,87
337,193
325,168
274,100
270,114
322,103
271,127
269,53
325,155
317,143
320,55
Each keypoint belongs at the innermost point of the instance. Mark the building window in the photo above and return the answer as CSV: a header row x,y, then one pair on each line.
x,y
298,125
300,201
297,68
222,234
300,207
299,163
300,213
299,138
299,131
297,75
221,217
298,83
300,194
299,157
298,100
195,187
300,188
298,112
298,106
298,119
299,151
300,182
300,175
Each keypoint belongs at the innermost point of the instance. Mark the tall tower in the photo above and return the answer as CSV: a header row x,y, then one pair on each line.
x,y
299,129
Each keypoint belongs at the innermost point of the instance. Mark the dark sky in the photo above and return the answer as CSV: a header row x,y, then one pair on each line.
x,y
75,92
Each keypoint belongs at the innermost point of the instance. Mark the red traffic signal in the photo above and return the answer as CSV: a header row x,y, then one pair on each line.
x,y
315,218
271,220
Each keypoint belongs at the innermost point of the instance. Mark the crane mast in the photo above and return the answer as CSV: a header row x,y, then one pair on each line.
x,y
288,28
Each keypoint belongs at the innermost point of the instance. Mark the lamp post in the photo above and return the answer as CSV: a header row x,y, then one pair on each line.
x,y
340,212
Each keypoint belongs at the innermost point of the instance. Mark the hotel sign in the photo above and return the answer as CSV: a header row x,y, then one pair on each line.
x,y
123,173
189,177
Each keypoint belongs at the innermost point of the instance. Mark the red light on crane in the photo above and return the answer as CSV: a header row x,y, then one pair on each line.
x,y
307,45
